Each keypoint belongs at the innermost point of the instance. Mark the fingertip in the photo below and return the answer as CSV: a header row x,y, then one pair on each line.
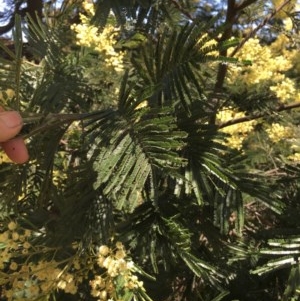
x,y
16,150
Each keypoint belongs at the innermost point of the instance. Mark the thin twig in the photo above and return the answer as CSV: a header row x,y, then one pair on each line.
x,y
233,10
257,116
231,16
260,26
41,122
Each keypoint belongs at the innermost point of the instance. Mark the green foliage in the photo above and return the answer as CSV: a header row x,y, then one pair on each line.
x,y
174,64
137,156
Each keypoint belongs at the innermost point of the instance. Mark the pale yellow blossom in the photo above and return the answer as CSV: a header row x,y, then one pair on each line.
x,y
103,41
238,132
117,267
268,66
15,236
4,237
284,90
13,266
12,226
277,132
104,250
294,157
26,245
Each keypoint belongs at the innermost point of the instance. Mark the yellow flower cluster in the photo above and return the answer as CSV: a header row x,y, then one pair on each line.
x,y
295,147
12,240
28,280
279,45
88,7
277,132
103,42
295,157
284,90
237,132
116,270
6,96
4,158
33,280
268,66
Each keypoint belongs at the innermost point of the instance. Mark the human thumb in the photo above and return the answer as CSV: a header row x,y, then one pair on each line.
x,y
10,125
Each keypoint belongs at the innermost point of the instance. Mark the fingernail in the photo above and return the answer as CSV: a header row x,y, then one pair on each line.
x,y
11,119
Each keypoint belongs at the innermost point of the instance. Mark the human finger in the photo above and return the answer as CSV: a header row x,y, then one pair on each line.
x,y
10,124
16,150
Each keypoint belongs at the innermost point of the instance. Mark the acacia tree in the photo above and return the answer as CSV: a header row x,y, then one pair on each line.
x,y
164,152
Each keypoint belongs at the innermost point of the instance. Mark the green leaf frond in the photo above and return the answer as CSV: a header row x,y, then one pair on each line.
x,y
218,177
177,233
132,143
145,13
205,170
121,10
179,238
256,187
254,184
161,231
255,102
50,77
293,284
46,43
203,270
280,254
176,63
11,63
242,251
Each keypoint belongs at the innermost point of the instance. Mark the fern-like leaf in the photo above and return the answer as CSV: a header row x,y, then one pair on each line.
x,y
175,63
133,141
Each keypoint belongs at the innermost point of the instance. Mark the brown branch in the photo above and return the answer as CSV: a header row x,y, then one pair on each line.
x,y
233,10
257,116
11,22
231,15
35,9
245,4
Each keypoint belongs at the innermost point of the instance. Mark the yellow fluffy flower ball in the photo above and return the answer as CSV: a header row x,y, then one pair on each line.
x,y
237,132
277,132
88,35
